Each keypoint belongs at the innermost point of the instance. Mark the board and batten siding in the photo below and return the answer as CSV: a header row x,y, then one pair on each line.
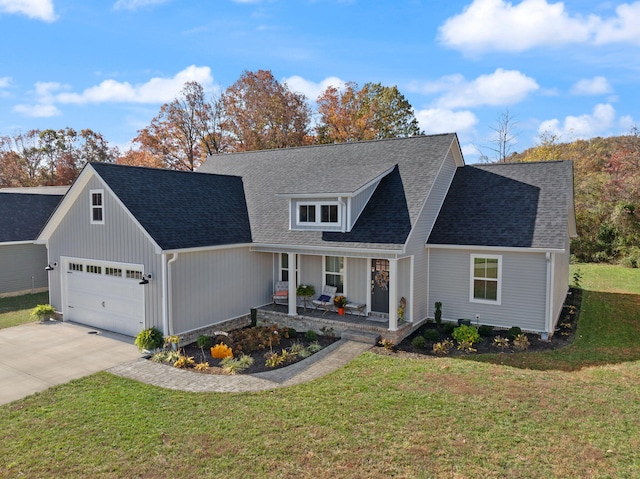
x,y
119,239
358,280
420,234
210,287
22,268
523,289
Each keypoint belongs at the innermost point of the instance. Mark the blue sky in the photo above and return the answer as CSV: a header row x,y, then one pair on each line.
x,y
569,68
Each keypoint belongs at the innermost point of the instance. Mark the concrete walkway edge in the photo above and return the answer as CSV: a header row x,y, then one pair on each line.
x,y
321,363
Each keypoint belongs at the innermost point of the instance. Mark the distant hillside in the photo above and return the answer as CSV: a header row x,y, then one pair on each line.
x,y
607,195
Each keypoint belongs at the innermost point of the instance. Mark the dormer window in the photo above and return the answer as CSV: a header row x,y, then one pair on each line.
x,y
318,213
97,206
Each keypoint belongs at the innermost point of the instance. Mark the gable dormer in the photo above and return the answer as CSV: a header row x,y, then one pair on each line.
x,y
337,211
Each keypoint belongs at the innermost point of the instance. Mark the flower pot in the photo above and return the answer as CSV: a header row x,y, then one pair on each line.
x,y
341,311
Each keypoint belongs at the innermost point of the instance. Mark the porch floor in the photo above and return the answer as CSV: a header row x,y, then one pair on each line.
x,y
339,323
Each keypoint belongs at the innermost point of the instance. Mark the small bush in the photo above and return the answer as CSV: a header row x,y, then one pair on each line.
x,y
311,336
387,344
431,335
165,356
184,362
274,359
202,366
205,341
314,347
234,366
328,332
247,340
521,342
419,342
448,328
466,334
292,332
221,351
443,347
513,332
438,313
149,339
485,331
500,342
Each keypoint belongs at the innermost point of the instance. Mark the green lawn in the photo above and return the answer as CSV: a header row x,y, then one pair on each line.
x,y
17,309
566,414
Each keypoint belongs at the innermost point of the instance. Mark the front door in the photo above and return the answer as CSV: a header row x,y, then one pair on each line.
x,y
380,285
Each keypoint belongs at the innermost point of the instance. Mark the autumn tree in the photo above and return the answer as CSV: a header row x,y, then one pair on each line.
x,y
373,112
262,113
502,141
185,131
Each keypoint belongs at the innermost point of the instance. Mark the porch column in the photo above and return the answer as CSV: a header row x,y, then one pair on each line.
x,y
393,295
293,286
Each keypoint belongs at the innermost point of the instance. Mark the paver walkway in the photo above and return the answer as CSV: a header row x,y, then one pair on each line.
x,y
323,362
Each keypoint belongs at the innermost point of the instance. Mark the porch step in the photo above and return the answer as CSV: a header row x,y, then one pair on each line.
x,y
361,336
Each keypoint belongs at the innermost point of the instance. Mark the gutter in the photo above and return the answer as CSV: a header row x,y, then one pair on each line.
x,y
167,323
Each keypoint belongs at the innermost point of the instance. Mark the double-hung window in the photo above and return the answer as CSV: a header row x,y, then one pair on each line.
x,y
97,206
334,272
486,278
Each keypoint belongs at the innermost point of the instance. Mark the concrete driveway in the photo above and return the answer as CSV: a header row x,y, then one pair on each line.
x,y
36,356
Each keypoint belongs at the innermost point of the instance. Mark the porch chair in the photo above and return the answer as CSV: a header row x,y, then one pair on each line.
x,y
281,294
325,300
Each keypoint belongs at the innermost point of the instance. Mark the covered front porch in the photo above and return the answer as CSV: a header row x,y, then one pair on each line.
x,y
323,321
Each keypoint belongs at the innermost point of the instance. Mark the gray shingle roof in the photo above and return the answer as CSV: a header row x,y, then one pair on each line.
x,y
22,215
341,169
181,209
509,205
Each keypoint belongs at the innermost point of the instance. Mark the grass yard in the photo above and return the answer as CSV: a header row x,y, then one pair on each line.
x,y
377,417
16,310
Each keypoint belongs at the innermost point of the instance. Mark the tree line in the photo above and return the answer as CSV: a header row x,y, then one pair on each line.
x,y
257,112
606,192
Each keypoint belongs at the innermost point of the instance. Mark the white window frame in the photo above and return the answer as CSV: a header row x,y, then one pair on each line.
x,y
325,272
318,213
93,207
472,279
281,268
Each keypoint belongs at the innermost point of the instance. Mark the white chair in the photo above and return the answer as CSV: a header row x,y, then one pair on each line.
x,y
281,294
325,300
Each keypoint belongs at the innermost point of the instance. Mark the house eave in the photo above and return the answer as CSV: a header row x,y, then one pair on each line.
x,y
14,243
495,248
341,250
197,249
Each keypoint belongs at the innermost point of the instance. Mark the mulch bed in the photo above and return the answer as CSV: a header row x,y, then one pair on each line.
x,y
563,336
258,365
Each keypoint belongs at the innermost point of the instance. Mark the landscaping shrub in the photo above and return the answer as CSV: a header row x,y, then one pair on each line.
x,y
443,347
387,344
311,336
149,339
247,340
500,342
221,351
521,342
431,335
485,331
234,366
314,347
437,316
466,333
205,341
419,342
184,362
292,332
448,328
513,332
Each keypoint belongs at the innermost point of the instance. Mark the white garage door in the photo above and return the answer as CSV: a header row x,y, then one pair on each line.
x,y
105,295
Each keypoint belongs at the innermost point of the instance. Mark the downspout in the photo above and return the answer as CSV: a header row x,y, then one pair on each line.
x,y
547,314
166,303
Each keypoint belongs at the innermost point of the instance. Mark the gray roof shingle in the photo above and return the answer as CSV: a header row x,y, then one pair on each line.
x,y
23,215
181,209
341,169
523,205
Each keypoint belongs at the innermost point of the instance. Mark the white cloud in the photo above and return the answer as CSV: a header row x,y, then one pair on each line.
x,y
136,4
38,9
41,110
498,25
156,90
312,90
436,120
5,82
592,86
583,126
502,87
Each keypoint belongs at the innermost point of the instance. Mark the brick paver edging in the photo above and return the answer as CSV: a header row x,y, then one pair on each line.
x,y
321,363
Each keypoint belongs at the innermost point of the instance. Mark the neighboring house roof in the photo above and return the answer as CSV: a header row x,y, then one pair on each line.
x,y
37,190
22,215
410,165
520,205
180,209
